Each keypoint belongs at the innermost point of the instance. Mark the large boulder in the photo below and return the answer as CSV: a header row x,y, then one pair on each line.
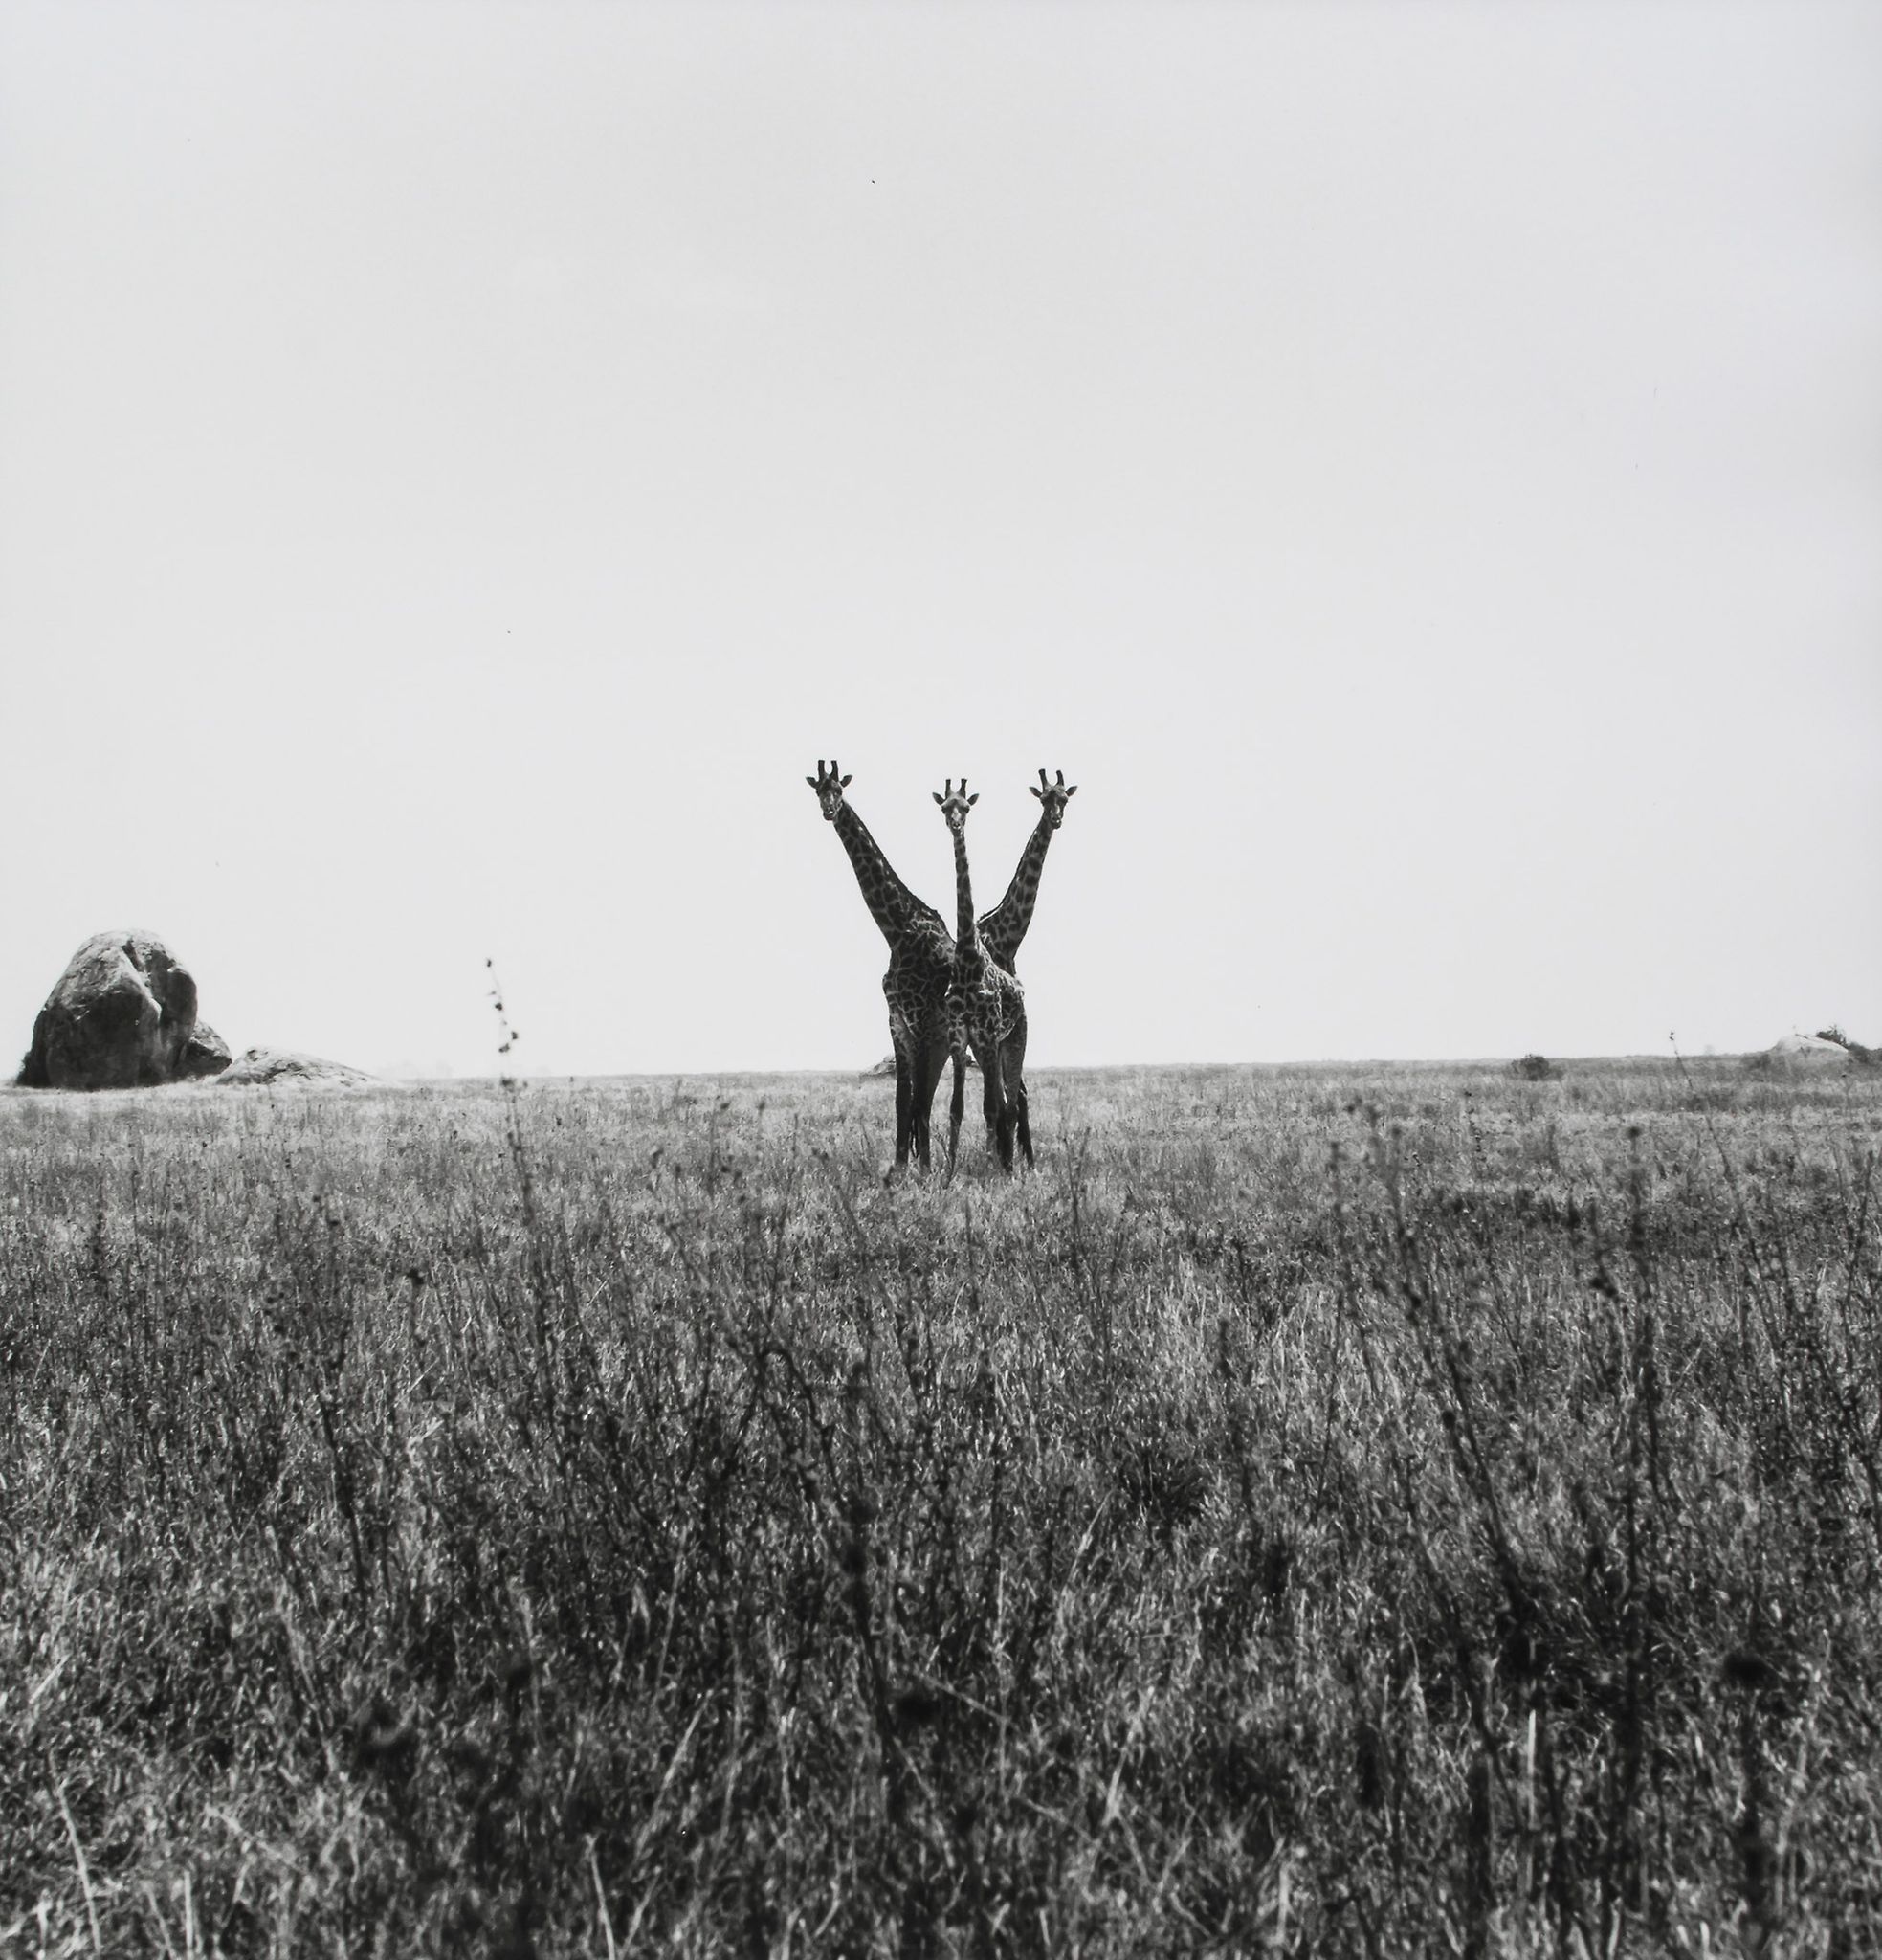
x,y
120,1017
275,1068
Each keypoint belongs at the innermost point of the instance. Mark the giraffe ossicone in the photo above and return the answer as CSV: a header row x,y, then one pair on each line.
x,y
1055,795
830,787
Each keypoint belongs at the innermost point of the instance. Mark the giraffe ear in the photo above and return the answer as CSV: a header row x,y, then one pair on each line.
x,y
1040,793
973,799
846,782
938,796
1072,788
813,781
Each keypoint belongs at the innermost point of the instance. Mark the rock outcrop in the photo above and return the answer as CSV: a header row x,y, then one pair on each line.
x,y
205,1054
273,1067
1808,1051
120,1016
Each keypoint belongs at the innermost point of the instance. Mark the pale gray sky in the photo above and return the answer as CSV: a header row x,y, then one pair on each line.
x,y
1417,468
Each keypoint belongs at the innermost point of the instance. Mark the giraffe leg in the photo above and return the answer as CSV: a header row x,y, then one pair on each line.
x,y
904,1099
957,1102
917,1106
998,1110
1002,1117
938,1057
1015,1053
904,1037
928,1060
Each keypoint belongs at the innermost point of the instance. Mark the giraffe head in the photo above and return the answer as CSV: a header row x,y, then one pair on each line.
x,y
1054,796
955,804
830,787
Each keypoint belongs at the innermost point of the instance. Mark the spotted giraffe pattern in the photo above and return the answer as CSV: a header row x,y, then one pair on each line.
x,y
921,969
985,1009
1001,929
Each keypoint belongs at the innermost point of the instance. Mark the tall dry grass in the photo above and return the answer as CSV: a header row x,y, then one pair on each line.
x,y
1322,1510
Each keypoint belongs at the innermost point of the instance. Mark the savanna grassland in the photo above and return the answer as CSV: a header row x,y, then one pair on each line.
x,y
1320,1510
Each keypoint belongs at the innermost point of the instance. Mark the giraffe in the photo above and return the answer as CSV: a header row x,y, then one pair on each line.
x,y
1001,929
920,968
985,1008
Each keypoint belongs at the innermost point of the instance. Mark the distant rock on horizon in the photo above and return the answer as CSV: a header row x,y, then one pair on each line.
x,y
278,1068
1808,1051
887,1067
408,1071
123,1015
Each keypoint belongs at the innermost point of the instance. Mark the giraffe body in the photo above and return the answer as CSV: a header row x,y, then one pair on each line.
x,y
921,969
916,988
984,1010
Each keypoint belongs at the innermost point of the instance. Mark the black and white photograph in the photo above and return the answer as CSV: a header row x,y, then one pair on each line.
x,y
939,938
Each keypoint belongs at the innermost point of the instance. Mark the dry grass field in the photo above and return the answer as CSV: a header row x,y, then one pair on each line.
x,y
1320,1511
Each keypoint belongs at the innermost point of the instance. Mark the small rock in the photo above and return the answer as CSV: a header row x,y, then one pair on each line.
x,y
205,1054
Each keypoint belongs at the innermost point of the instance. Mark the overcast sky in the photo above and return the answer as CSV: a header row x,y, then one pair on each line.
x,y
1418,469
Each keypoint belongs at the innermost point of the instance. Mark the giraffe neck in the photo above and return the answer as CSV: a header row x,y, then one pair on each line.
x,y
966,940
1005,927
891,904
